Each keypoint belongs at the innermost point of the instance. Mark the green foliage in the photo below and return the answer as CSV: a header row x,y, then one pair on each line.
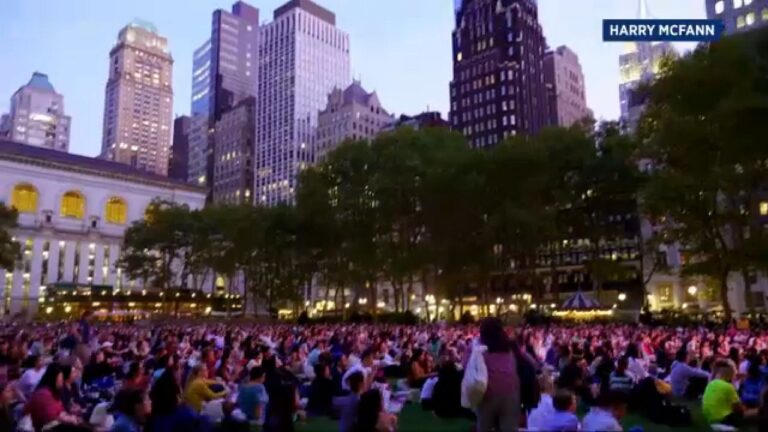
x,y
10,251
704,133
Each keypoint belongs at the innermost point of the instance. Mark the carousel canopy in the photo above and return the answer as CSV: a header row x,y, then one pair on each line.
x,y
580,301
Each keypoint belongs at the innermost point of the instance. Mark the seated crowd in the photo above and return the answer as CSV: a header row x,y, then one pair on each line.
x,y
241,377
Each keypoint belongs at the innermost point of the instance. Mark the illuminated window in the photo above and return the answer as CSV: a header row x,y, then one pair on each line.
x,y
719,7
765,14
737,3
459,56
73,205
764,208
740,22
747,2
116,211
750,18
24,198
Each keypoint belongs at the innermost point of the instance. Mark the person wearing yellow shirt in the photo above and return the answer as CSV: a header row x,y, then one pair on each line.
x,y
721,403
198,390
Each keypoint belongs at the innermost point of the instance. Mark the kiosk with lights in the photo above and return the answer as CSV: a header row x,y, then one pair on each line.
x,y
581,307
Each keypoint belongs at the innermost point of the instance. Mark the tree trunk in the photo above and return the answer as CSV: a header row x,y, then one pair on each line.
x,y
724,295
396,294
409,293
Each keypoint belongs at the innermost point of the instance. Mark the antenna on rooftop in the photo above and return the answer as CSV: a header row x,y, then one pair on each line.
x,y
643,12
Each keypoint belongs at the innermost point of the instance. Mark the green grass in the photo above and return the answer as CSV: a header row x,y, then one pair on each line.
x,y
414,419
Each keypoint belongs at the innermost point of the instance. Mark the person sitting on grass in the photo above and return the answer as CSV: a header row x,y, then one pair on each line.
x,y
252,398
721,403
620,379
545,408
320,401
347,405
198,389
132,409
752,386
564,417
605,415
372,415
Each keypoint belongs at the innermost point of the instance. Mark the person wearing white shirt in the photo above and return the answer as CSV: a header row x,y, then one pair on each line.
x,y
605,415
563,418
545,408
364,366
31,377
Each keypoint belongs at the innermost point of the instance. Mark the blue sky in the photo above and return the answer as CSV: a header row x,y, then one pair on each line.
x,y
400,48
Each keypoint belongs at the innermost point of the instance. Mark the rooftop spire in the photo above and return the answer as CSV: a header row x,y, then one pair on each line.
x,y
642,10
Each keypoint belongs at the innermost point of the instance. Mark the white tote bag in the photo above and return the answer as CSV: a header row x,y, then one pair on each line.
x,y
475,380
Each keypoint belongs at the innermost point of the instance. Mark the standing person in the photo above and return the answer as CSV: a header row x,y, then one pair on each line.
x,y
132,409
500,407
83,349
721,403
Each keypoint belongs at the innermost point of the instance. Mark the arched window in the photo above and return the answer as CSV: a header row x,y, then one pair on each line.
x,y
116,211
73,205
24,198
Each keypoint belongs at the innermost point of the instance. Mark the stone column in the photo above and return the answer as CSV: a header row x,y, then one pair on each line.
x,y
69,262
35,273
53,263
678,295
98,264
82,276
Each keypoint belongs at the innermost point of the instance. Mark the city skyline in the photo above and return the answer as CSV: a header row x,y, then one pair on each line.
x,y
71,42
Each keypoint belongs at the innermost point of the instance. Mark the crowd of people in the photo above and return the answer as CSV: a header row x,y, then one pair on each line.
x,y
196,376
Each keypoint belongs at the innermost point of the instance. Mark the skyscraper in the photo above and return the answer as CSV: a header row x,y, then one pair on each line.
x,y
739,15
138,100
37,116
177,163
304,56
224,74
352,113
638,65
565,84
498,85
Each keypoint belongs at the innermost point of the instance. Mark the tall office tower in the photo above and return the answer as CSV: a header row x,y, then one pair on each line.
x,y
639,64
739,15
233,154
5,126
304,56
139,99
37,116
225,73
351,114
178,161
565,84
498,85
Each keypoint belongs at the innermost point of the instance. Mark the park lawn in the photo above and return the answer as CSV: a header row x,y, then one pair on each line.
x,y
414,419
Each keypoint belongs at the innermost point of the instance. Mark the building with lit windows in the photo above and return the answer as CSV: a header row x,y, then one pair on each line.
x,y
739,15
139,99
498,87
73,211
304,56
37,116
351,114
639,64
565,86
233,156
224,75
179,158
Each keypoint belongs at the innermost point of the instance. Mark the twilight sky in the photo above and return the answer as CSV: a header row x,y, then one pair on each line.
x,y
400,48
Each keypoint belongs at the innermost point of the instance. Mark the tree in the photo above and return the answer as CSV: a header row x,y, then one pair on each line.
x,y
704,137
10,250
153,246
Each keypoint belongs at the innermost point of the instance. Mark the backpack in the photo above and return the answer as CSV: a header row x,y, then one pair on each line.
x,y
475,380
